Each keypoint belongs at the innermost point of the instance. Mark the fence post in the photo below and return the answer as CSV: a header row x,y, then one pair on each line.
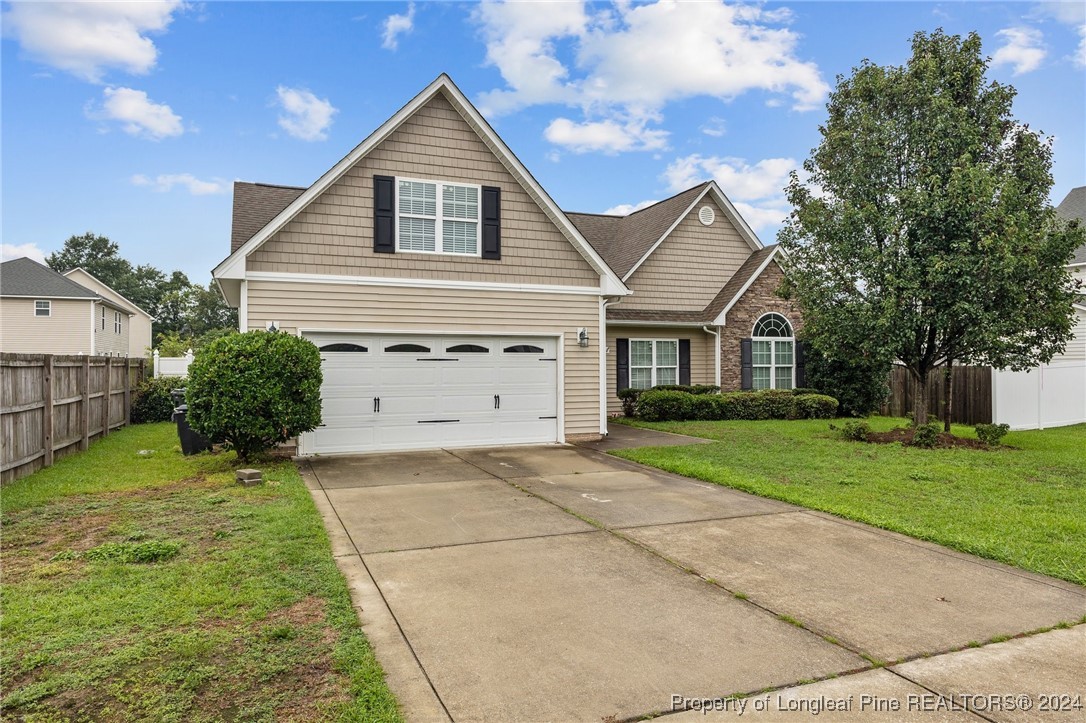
x,y
84,439
127,390
47,408
155,358
107,371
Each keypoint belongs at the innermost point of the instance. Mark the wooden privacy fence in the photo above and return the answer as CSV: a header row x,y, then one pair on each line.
x,y
971,396
52,406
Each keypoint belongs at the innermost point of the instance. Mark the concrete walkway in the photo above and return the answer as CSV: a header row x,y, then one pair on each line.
x,y
560,584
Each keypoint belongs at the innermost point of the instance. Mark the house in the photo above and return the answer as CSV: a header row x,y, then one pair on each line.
x,y
44,312
455,304
139,321
1053,394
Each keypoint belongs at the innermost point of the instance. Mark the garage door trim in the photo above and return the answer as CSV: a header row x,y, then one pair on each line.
x,y
559,337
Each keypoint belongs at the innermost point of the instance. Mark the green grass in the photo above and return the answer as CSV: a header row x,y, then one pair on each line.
x,y
1024,506
151,587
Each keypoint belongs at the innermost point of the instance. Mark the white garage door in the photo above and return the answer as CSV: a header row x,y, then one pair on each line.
x,y
421,392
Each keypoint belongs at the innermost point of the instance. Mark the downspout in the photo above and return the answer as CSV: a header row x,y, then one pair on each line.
x,y
604,303
716,355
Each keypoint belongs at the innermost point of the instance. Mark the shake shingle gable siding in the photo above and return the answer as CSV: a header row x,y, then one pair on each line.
x,y
435,143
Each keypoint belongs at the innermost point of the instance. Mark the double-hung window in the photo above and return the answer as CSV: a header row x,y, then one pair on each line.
x,y
43,308
653,362
116,322
772,353
437,218
103,318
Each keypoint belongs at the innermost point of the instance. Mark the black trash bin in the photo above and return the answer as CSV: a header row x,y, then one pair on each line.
x,y
192,442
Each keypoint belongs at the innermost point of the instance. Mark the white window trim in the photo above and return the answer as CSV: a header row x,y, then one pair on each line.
x,y
116,322
439,218
103,317
654,366
48,308
773,352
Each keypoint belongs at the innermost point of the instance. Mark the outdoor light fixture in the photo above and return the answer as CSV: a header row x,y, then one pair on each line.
x,y
272,326
582,336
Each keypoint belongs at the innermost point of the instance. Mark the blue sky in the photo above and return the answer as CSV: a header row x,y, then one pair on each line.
x,y
133,119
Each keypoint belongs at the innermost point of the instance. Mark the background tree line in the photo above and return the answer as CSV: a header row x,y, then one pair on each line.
x,y
187,315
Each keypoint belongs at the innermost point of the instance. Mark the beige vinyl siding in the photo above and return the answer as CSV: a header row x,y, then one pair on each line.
x,y
702,356
692,264
378,308
138,325
66,331
107,342
1076,348
334,234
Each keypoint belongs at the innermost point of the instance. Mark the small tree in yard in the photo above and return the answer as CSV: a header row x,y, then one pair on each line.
x,y
925,234
255,390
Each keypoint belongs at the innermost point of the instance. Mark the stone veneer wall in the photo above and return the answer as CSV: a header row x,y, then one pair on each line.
x,y
761,298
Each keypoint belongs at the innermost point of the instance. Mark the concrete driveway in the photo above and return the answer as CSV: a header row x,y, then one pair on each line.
x,y
558,584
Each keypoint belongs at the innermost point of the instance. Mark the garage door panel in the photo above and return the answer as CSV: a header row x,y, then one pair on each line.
x,y
431,381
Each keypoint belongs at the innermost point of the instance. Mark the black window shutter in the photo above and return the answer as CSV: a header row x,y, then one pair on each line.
x,y
492,222
746,365
684,361
384,214
622,369
801,364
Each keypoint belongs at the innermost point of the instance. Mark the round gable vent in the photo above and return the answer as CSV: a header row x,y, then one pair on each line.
x,y
707,215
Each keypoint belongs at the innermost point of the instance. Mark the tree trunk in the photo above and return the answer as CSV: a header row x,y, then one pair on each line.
x,y
920,399
948,388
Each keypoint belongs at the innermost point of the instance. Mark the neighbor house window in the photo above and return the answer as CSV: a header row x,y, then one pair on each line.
x,y
434,217
116,322
103,318
653,362
43,308
772,353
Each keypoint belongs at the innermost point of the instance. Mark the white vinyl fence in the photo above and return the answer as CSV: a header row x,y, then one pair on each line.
x,y
172,366
1052,395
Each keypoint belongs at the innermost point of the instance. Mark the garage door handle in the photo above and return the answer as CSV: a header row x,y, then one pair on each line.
x,y
376,405
497,402
437,421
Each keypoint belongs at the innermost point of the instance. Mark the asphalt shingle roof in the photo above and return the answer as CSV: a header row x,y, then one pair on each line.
x,y
255,205
26,277
1074,207
738,280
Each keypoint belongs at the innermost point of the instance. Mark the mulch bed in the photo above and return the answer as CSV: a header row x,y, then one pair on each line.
x,y
904,435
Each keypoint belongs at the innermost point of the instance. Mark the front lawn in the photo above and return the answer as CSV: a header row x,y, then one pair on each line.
x,y
1024,506
143,585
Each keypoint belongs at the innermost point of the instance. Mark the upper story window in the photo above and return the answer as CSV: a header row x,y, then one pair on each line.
x,y
116,322
103,318
772,353
437,218
43,308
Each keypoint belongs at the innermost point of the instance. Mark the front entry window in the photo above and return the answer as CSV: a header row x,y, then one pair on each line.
x,y
773,353
653,362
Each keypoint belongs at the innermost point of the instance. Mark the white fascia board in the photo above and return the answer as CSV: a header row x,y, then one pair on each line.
x,y
677,324
721,317
43,297
289,277
234,265
744,229
121,296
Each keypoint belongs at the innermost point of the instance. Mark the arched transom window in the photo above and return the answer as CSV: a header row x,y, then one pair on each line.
x,y
773,353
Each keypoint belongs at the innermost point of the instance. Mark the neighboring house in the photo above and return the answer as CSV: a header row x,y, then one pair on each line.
x,y
139,321
43,312
455,304
1052,394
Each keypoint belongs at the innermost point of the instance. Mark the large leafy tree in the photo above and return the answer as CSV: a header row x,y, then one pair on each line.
x,y
924,233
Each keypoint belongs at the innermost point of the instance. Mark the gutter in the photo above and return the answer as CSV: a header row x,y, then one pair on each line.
x,y
604,303
716,355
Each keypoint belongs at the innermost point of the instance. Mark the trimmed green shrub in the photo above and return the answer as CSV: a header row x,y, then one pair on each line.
x,y
254,390
857,431
151,401
991,434
689,388
659,405
860,385
629,400
926,435
804,390
629,396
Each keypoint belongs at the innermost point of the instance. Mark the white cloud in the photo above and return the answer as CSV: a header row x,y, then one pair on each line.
x,y
18,251
625,209
714,127
608,136
621,66
306,116
137,114
163,183
396,25
756,190
87,38
1023,48
1073,15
